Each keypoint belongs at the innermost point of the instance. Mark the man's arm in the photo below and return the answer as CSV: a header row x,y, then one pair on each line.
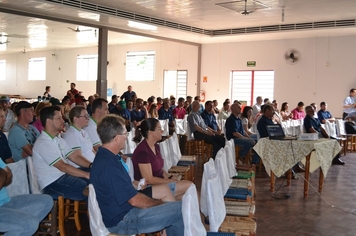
x,y
142,201
27,150
70,170
77,157
5,177
201,130
323,132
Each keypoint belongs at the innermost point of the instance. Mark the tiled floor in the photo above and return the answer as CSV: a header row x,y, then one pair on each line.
x,y
278,215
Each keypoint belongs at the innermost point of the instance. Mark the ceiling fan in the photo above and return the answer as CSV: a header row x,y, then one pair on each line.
x,y
4,42
245,12
77,30
292,56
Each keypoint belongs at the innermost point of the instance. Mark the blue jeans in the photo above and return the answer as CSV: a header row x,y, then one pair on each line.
x,y
22,215
67,186
166,216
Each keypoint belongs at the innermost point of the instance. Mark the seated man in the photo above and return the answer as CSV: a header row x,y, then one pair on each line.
x,y
124,210
257,107
179,111
10,116
209,118
20,215
113,103
313,125
298,112
122,111
202,132
139,113
5,151
324,115
99,109
225,111
235,131
50,157
266,119
164,113
22,136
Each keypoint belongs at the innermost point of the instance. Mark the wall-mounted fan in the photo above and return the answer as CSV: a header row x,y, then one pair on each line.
x,y
292,56
77,30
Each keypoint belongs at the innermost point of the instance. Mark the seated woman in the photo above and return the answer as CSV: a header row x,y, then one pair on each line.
x,y
285,113
153,112
147,159
246,118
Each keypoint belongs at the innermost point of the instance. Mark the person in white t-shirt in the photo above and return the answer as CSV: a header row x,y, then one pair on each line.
x,y
76,137
99,109
51,153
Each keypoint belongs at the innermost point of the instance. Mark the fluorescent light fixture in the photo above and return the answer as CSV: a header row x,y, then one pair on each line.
x,y
141,26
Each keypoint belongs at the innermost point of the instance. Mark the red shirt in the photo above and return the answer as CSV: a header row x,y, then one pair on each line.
x,y
179,112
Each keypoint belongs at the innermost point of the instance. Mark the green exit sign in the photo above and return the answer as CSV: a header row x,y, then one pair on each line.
x,y
251,63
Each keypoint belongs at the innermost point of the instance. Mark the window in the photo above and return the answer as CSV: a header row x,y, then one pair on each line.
x,y
87,67
37,68
2,69
175,83
247,85
140,66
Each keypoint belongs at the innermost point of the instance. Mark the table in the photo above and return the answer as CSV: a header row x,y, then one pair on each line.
x,y
279,156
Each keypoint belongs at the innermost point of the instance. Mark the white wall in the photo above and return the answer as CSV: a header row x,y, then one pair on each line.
x,y
326,72
62,68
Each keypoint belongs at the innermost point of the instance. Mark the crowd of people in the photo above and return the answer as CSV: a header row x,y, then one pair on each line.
x,y
76,142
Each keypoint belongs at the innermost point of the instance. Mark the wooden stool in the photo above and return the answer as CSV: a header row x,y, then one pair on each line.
x,y
239,225
243,209
67,209
48,225
185,171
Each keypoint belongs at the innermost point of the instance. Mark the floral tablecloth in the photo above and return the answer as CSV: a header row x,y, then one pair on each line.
x,y
281,155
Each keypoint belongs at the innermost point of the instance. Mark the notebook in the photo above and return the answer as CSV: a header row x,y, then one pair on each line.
x,y
275,131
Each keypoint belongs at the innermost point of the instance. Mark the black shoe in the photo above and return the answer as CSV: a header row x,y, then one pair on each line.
x,y
337,161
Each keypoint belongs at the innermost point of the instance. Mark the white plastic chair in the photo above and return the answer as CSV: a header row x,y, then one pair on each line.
x,y
165,127
130,145
180,126
230,157
19,183
193,225
166,155
222,171
34,186
174,148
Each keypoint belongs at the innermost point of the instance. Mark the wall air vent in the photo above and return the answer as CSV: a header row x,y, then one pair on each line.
x,y
83,5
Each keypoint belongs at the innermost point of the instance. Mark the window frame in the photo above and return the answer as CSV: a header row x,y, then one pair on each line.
x,y
37,74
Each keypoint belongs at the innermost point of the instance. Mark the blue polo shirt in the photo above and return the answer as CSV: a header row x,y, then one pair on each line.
x,y
112,185
324,115
233,124
164,115
137,115
127,95
311,122
209,120
5,152
261,126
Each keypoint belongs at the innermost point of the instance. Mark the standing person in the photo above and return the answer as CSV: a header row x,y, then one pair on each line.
x,y
9,114
257,107
113,103
298,112
21,214
50,158
349,103
128,94
46,93
22,136
100,108
124,209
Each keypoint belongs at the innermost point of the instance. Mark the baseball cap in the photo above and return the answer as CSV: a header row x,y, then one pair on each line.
x,y
5,98
122,104
21,105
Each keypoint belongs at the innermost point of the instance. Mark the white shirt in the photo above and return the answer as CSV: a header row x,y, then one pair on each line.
x,y
91,131
79,140
10,119
47,151
256,109
348,101
223,115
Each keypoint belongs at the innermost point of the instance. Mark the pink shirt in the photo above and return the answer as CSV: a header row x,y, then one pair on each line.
x,y
298,115
179,112
38,125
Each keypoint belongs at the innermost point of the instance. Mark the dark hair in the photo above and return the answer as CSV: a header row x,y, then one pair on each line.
x,y
322,104
283,107
244,112
215,100
75,112
159,99
308,107
189,97
149,124
150,99
266,100
138,100
196,98
110,126
113,97
98,104
48,113
352,90
300,104
226,103
73,84
48,87
181,99
208,103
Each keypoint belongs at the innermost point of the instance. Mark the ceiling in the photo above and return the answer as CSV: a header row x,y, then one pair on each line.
x,y
44,24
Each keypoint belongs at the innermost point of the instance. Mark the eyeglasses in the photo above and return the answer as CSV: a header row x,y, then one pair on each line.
x,y
125,134
86,117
